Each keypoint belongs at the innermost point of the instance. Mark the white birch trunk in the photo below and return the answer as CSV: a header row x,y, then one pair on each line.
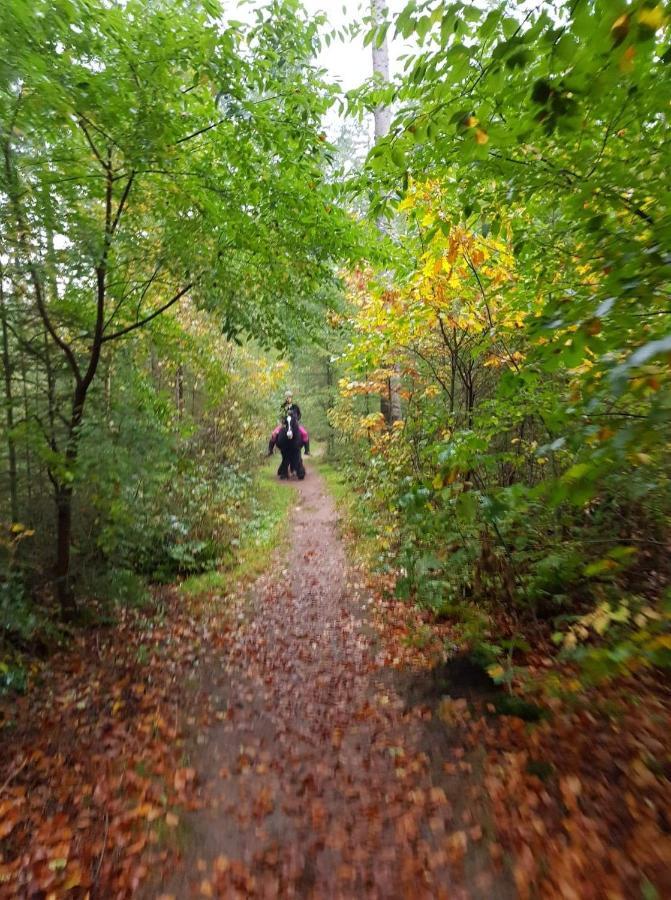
x,y
390,405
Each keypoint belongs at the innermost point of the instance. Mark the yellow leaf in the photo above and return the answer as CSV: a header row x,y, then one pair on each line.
x,y
663,642
471,122
570,641
57,864
481,137
74,880
652,18
602,619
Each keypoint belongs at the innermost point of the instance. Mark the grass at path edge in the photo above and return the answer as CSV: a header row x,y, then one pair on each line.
x,y
360,531
264,531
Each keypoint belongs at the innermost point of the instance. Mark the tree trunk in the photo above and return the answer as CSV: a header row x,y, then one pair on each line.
x,y
62,577
390,404
9,408
64,494
381,113
330,444
179,391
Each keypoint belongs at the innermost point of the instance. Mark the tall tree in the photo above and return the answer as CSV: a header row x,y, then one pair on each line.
x,y
390,403
9,405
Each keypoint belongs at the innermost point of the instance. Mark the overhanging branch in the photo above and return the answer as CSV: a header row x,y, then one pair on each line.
x,y
142,322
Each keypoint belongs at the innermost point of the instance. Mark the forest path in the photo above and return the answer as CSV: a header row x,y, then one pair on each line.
x,y
317,782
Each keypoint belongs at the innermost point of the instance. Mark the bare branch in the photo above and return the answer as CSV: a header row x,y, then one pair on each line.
x,y
94,149
123,331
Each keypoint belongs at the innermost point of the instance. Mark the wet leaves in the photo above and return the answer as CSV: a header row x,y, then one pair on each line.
x,y
591,821
89,765
316,779
296,764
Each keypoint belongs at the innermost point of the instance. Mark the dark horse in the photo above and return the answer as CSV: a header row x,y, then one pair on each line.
x,y
290,442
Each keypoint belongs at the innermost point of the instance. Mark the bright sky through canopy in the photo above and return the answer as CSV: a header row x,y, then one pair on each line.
x,y
350,63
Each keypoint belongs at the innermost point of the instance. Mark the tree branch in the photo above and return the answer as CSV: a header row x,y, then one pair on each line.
x,y
122,203
123,331
194,134
94,149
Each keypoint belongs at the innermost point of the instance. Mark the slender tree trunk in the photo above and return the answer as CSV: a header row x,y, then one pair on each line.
x,y
64,495
28,455
329,406
390,404
108,393
9,408
381,113
51,392
179,390
470,395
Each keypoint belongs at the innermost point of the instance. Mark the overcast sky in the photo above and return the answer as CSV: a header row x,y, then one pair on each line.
x,y
350,63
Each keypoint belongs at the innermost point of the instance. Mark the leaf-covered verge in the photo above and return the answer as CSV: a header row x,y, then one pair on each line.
x,y
95,769
570,780
524,495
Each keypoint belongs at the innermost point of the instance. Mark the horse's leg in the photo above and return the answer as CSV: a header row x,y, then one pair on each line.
x,y
283,470
297,463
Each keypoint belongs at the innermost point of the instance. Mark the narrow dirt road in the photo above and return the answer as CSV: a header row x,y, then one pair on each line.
x,y
317,782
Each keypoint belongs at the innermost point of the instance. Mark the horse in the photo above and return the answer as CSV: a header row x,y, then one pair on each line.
x,y
290,442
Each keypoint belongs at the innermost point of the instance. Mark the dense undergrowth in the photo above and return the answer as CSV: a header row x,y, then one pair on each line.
x,y
521,498
250,515
522,323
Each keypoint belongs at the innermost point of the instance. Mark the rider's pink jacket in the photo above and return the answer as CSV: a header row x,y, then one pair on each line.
x,y
303,431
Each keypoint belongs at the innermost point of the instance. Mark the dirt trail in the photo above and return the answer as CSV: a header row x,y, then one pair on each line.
x,y
319,782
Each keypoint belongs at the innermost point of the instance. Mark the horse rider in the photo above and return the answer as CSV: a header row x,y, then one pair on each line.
x,y
289,407
304,435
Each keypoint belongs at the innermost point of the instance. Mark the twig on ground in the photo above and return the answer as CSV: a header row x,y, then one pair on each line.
x,y
12,775
102,852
